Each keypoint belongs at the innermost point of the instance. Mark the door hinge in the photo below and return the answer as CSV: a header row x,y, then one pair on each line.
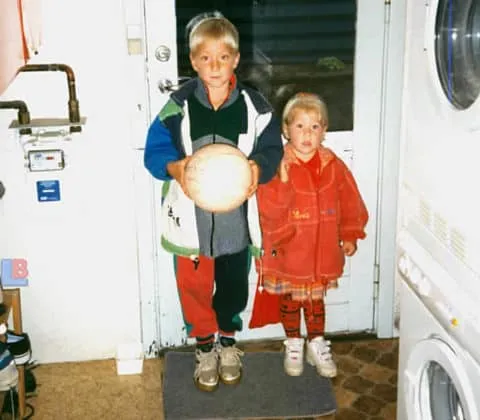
x,y
388,7
376,283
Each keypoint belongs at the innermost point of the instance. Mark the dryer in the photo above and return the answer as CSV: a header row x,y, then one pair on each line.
x,y
439,359
441,125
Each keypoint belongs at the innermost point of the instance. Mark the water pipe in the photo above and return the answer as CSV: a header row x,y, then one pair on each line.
x,y
23,114
73,106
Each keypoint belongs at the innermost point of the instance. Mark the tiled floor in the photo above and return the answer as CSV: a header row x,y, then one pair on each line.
x,y
365,387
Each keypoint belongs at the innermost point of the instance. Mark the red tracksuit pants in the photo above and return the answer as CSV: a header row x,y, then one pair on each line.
x,y
213,292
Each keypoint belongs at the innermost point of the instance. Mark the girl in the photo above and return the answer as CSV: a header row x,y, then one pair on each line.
x,y
312,215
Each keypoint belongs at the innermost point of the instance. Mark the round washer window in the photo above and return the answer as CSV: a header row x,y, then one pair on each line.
x,y
438,396
457,50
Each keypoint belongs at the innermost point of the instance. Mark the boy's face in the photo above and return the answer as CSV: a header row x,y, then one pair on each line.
x,y
305,131
214,62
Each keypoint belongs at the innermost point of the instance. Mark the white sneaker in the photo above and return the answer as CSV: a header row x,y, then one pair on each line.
x,y
206,370
318,355
293,362
230,368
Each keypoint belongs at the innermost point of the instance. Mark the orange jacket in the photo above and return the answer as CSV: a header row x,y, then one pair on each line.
x,y
305,220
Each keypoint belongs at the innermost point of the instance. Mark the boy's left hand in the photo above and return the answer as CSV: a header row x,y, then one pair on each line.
x,y
349,248
255,177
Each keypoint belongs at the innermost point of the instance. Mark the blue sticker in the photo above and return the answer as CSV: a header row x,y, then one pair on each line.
x,y
48,190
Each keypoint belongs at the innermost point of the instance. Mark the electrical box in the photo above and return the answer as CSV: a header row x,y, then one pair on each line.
x,y
46,160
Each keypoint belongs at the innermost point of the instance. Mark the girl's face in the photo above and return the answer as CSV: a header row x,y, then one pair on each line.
x,y
305,131
214,63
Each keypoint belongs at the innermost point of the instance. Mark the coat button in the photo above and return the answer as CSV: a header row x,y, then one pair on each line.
x,y
274,252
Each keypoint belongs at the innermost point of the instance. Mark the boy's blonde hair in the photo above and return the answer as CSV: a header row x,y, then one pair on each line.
x,y
216,27
305,102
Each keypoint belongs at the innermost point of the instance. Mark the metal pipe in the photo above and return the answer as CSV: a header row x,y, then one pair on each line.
x,y
23,114
73,105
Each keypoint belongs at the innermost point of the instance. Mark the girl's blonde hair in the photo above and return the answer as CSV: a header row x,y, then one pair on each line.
x,y
216,27
305,102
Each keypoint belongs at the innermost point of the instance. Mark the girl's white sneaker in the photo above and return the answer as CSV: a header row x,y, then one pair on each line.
x,y
319,355
293,362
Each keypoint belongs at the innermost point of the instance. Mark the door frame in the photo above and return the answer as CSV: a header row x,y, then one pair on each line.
x,y
386,144
389,166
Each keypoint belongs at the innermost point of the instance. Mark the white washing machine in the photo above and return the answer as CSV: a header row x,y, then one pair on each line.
x,y
439,360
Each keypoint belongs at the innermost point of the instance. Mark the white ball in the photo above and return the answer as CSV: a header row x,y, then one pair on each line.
x,y
217,177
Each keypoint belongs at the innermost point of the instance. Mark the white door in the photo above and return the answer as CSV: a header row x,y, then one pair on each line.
x,y
332,48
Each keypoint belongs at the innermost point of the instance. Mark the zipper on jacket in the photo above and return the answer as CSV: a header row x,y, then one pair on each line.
x,y
214,140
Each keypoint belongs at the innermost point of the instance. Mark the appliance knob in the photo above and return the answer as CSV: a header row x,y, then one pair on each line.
x,y
424,287
402,264
416,276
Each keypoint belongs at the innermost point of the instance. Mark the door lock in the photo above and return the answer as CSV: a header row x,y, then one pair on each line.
x,y
163,53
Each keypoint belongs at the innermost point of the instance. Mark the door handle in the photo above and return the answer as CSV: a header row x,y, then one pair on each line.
x,y
166,85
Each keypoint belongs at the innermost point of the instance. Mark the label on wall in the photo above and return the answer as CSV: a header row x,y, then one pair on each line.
x,y
48,190
14,272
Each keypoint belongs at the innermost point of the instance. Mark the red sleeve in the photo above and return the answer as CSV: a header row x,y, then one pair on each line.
x,y
353,212
274,200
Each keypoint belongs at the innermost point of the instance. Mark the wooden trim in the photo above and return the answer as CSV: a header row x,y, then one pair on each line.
x,y
12,299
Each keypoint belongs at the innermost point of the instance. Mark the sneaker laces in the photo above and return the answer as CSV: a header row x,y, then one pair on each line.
x,y
293,348
322,348
230,356
206,361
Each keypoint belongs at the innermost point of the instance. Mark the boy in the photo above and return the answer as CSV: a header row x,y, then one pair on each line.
x,y
212,250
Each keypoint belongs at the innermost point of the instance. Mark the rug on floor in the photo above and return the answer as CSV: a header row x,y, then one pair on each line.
x,y
264,391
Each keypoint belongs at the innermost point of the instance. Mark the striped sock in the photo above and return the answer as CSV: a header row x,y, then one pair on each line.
x,y
205,344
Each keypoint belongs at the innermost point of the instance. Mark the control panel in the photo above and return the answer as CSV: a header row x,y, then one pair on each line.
x,y
452,307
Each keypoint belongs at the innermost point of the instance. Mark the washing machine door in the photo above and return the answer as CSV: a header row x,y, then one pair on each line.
x,y
437,385
452,44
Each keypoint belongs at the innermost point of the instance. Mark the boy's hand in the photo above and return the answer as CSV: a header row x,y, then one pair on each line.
x,y
255,177
176,169
349,248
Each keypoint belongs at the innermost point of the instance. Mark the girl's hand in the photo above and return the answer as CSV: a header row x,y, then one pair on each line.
x,y
255,169
289,155
283,171
349,248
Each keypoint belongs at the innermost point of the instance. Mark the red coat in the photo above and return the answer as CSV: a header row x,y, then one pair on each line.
x,y
305,220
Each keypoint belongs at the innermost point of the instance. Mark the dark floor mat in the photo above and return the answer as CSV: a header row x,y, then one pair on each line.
x,y
265,391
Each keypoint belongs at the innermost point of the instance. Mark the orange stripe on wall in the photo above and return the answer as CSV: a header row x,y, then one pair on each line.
x,y
26,54
13,49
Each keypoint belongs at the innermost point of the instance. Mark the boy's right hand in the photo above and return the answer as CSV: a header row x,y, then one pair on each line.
x,y
176,169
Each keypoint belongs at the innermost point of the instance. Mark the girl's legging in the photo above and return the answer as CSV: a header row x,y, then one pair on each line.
x,y
313,311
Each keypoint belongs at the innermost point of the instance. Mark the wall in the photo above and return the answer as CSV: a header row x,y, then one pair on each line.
x,y
83,294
